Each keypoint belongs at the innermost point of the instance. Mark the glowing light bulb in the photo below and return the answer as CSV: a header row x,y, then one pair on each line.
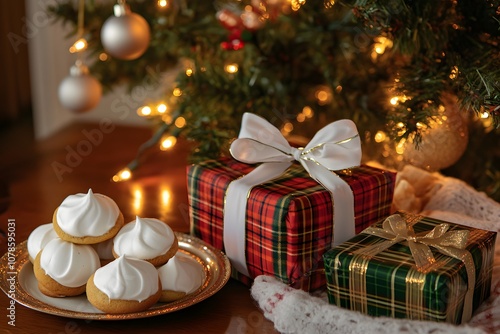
x,y
380,136
123,175
168,143
486,120
180,122
189,72
296,4
177,92
231,68
454,72
322,96
79,45
308,112
396,99
381,44
161,108
329,3
144,111
301,118
103,56
162,3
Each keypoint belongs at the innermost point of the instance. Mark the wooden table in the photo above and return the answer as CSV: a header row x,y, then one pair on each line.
x,y
37,176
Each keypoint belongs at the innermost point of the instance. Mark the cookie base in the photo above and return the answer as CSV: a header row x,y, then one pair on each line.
x,y
50,287
168,296
88,240
102,302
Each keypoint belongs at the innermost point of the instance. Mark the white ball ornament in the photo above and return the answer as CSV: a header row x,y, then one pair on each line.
x,y
125,35
80,91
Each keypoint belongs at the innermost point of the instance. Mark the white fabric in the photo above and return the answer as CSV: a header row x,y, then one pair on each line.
x,y
295,311
433,195
336,146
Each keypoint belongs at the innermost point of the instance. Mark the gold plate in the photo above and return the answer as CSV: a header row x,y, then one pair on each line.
x,y
24,289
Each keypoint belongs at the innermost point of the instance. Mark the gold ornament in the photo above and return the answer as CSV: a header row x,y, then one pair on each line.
x,y
443,142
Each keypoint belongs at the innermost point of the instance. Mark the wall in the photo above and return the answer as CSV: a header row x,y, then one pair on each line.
x,y
15,83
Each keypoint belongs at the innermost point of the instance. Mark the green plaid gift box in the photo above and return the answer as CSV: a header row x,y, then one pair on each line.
x,y
289,221
378,274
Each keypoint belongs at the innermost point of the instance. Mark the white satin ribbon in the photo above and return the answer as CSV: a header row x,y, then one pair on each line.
x,y
336,146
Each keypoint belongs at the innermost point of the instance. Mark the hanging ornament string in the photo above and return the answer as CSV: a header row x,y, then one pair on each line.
x,y
81,27
80,43
80,91
81,16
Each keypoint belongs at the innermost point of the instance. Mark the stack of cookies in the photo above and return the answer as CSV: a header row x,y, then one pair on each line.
x,y
121,267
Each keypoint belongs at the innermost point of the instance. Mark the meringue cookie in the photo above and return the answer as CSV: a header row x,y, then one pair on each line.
x,y
87,218
62,268
124,285
38,238
180,276
127,278
148,239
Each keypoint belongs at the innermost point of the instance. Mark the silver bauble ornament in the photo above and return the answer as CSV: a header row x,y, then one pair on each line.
x,y
79,92
125,35
443,143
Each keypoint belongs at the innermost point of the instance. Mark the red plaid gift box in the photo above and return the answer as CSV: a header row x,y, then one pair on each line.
x,y
289,221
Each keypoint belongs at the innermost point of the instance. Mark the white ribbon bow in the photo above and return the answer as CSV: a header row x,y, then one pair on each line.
x,y
336,146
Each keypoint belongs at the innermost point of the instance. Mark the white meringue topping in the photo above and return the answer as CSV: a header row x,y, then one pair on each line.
x,y
181,273
38,238
127,278
144,238
67,263
89,214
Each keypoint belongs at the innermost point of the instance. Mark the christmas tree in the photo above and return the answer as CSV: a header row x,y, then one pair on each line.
x,y
421,79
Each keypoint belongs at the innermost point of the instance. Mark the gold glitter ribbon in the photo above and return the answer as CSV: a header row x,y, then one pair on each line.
x,y
397,229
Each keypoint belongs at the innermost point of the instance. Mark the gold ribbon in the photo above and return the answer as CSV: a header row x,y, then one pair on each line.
x,y
397,229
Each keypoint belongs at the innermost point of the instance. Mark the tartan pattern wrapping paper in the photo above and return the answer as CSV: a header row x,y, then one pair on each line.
x,y
289,220
390,285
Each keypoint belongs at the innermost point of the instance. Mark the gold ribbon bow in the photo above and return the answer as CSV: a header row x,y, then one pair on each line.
x,y
397,229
